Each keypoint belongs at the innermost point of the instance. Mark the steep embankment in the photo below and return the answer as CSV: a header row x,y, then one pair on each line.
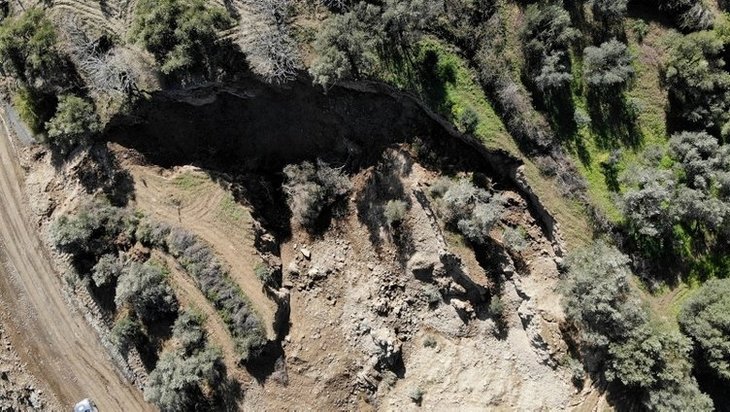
x,y
259,127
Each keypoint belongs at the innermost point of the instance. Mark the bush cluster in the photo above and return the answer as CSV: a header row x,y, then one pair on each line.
x,y
92,230
186,372
617,333
213,280
311,189
471,210
98,231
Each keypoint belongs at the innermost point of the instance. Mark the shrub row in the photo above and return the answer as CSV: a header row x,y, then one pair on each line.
x,y
214,281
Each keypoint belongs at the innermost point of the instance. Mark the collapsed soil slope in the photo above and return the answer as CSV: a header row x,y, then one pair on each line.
x,y
253,126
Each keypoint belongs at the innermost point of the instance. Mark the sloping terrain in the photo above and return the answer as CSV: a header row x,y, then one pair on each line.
x,y
188,197
57,343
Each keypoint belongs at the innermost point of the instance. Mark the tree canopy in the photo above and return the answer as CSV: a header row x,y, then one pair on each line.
x,y
181,34
705,318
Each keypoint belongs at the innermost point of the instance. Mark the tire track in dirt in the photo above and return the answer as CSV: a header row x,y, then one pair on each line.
x,y
58,345
190,296
156,194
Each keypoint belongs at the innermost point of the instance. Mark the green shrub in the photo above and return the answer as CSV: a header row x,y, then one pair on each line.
x,y
145,288
496,307
263,273
188,331
311,189
705,318
610,11
107,270
34,108
188,370
93,229
515,239
75,123
641,29
469,121
181,34
471,210
429,342
432,294
416,394
395,211
28,49
126,334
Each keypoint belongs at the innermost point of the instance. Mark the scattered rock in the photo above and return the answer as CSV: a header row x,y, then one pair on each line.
x,y
293,268
422,265
306,253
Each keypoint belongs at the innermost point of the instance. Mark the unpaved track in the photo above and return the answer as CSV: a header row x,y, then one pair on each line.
x,y
58,345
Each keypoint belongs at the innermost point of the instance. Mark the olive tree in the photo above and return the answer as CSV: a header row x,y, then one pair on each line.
x,y
598,295
347,45
705,318
75,123
181,34
607,66
698,83
546,36
145,289
28,48
619,340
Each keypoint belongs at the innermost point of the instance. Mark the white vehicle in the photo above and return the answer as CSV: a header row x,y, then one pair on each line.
x,y
86,405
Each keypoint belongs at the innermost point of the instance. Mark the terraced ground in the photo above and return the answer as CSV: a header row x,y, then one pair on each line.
x,y
189,197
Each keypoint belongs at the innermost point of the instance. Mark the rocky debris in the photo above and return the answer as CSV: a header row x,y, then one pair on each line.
x,y
292,269
464,308
422,265
306,253
388,346
18,390
264,242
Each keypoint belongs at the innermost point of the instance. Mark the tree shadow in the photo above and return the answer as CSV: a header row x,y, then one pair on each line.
x,y
610,170
560,108
613,120
227,392
262,367
433,80
383,183
100,171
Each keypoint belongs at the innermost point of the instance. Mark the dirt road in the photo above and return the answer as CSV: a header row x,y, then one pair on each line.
x,y
58,345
